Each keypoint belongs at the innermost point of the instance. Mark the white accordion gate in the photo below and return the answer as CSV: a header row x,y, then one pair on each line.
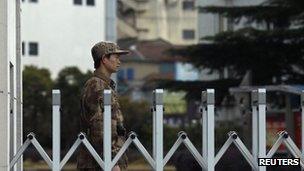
x,y
207,159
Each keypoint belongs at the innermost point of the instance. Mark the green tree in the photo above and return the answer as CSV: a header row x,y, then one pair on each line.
x,y
37,106
138,118
70,82
274,55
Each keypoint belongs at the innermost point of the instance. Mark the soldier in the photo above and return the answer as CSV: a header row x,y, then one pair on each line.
x,y
106,61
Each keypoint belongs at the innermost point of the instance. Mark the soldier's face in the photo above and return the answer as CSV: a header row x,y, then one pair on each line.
x,y
112,63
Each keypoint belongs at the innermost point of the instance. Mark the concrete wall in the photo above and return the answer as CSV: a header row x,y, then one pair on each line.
x,y
65,33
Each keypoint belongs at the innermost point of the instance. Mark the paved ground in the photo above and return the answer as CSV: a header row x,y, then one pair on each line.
x,y
42,166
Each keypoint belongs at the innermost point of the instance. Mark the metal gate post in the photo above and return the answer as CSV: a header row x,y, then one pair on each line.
x,y
302,118
262,125
255,139
204,124
56,130
158,129
208,128
107,131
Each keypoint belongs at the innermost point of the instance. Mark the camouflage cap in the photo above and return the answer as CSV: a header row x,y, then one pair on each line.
x,y
105,48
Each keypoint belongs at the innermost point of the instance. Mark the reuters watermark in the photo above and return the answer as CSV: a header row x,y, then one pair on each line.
x,y
278,161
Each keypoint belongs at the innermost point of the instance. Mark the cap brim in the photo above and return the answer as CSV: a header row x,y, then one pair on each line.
x,y
121,52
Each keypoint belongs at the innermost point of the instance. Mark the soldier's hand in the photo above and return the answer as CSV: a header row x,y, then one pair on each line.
x,y
121,130
116,168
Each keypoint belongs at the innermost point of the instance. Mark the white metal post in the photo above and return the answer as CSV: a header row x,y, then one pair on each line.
x,y
255,139
154,125
158,129
204,124
302,119
56,130
210,129
107,129
110,25
262,125
19,114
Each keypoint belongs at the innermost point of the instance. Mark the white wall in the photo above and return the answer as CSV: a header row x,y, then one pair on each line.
x,y
65,32
4,88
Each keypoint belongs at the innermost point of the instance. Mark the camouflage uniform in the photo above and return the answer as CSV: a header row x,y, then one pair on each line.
x,y
92,122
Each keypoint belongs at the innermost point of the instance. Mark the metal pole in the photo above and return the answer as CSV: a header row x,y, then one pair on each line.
x,y
289,116
158,129
56,130
153,109
302,123
210,129
255,139
19,83
262,125
111,25
107,129
204,124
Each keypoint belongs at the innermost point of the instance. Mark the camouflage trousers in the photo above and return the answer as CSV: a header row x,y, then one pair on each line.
x,y
122,163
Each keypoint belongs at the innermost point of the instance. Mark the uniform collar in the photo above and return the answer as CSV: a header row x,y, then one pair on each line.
x,y
108,80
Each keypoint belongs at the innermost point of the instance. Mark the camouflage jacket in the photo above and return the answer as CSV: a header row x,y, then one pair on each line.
x,y
91,120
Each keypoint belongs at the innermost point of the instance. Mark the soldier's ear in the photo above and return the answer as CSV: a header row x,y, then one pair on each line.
x,y
103,58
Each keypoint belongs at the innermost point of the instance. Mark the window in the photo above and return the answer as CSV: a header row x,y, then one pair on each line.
x,y
167,68
23,48
33,48
188,34
91,2
125,74
120,75
188,5
78,2
130,74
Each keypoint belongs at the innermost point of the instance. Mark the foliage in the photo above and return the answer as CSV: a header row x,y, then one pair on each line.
x,y
138,118
37,111
37,106
250,49
70,82
273,52
279,13
194,91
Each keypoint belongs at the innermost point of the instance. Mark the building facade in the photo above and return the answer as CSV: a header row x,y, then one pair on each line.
x,y
172,20
57,34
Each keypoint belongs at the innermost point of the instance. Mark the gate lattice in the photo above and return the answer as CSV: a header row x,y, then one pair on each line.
x,y
207,159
